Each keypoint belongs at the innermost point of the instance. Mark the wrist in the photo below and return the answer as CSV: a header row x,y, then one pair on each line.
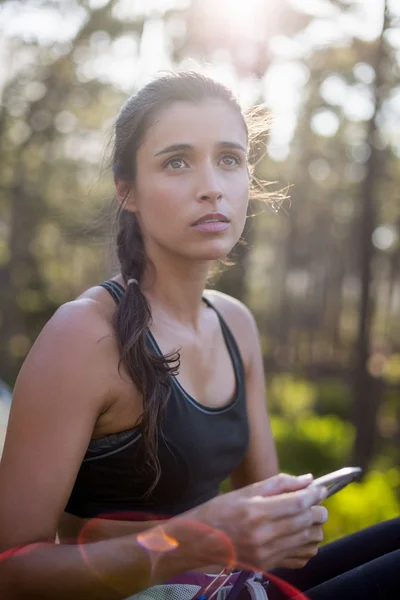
x,y
190,543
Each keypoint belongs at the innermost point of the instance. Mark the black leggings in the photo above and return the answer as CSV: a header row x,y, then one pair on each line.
x,y
361,566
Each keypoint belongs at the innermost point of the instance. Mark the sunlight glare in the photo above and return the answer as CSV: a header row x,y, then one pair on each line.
x,y
239,15
239,9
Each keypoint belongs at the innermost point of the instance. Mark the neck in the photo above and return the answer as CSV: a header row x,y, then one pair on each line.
x,y
174,288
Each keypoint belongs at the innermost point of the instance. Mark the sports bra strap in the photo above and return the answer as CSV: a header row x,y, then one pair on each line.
x,y
114,288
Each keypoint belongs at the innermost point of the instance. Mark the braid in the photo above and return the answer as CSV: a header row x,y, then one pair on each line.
x,y
149,371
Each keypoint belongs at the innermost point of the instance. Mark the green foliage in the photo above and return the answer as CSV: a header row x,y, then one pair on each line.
x,y
362,504
334,397
392,368
307,442
291,396
312,444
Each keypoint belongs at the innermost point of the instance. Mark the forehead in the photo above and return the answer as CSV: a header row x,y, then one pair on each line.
x,y
206,122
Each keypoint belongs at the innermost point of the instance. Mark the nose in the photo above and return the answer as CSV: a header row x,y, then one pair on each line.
x,y
209,189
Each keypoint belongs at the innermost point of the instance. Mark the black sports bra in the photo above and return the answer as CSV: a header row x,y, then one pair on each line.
x,y
198,448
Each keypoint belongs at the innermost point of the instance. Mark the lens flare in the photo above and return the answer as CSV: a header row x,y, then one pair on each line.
x,y
156,540
209,544
21,550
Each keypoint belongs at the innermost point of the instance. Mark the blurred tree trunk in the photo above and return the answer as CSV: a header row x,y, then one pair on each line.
x,y
368,388
22,271
26,197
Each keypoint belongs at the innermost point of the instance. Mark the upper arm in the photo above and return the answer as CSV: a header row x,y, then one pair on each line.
x,y
261,460
57,399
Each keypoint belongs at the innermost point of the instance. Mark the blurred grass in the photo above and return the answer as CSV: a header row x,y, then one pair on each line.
x,y
312,434
362,504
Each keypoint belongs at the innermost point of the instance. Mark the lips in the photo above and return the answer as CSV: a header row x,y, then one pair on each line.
x,y
211,218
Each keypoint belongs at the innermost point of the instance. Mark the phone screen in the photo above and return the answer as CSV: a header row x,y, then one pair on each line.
x,y
337,480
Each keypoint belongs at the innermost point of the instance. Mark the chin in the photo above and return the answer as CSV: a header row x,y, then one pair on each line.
x,y
216,251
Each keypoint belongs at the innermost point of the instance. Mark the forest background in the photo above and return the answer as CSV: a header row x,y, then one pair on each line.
x,y
320,271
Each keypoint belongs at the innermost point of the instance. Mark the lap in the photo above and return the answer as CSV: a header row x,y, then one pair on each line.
x,y
346,555
363,565
375,580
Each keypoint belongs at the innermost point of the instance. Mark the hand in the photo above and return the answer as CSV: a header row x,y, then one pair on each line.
x,y
265,523
304,553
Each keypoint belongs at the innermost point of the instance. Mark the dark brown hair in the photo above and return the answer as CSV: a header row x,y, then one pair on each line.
x,y
150,372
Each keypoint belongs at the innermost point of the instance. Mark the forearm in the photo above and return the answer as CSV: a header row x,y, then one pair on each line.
x,y
103,529
106,570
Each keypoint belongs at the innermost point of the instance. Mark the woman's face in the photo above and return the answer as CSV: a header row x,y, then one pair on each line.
x,y
192,186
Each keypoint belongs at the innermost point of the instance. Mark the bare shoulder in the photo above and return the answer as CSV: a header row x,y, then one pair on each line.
x,y
78,322
65,384
240,320
86,319
77,341
230,308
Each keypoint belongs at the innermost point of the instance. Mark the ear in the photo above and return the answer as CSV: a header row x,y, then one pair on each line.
x,y
125,194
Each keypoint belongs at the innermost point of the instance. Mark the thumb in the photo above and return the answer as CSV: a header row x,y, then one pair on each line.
x,y
280,484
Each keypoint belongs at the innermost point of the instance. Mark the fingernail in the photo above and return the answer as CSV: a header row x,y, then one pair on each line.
x,y
323,492
306,477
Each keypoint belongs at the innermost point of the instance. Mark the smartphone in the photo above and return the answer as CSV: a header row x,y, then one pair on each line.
x,y
337,480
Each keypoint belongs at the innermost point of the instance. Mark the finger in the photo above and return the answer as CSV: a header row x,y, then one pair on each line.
x,y
268,531
320,514
289,544
316,534
280,484
291,503
307,551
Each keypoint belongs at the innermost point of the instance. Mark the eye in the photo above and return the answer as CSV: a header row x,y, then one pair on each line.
x,y
230,160
175,163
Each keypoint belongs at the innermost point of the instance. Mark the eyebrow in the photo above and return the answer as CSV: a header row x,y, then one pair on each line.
x,y
186,147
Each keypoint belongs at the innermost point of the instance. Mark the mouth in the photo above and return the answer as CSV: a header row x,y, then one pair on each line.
x,y
213,223
211,218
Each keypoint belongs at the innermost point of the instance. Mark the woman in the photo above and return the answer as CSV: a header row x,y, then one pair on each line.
x,y
142,395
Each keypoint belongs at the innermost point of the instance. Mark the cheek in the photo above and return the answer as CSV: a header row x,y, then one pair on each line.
x,y
161,204
238,186
241,193
241,203
155,196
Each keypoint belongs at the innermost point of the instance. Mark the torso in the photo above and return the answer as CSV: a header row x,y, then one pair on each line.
x,y
208,376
